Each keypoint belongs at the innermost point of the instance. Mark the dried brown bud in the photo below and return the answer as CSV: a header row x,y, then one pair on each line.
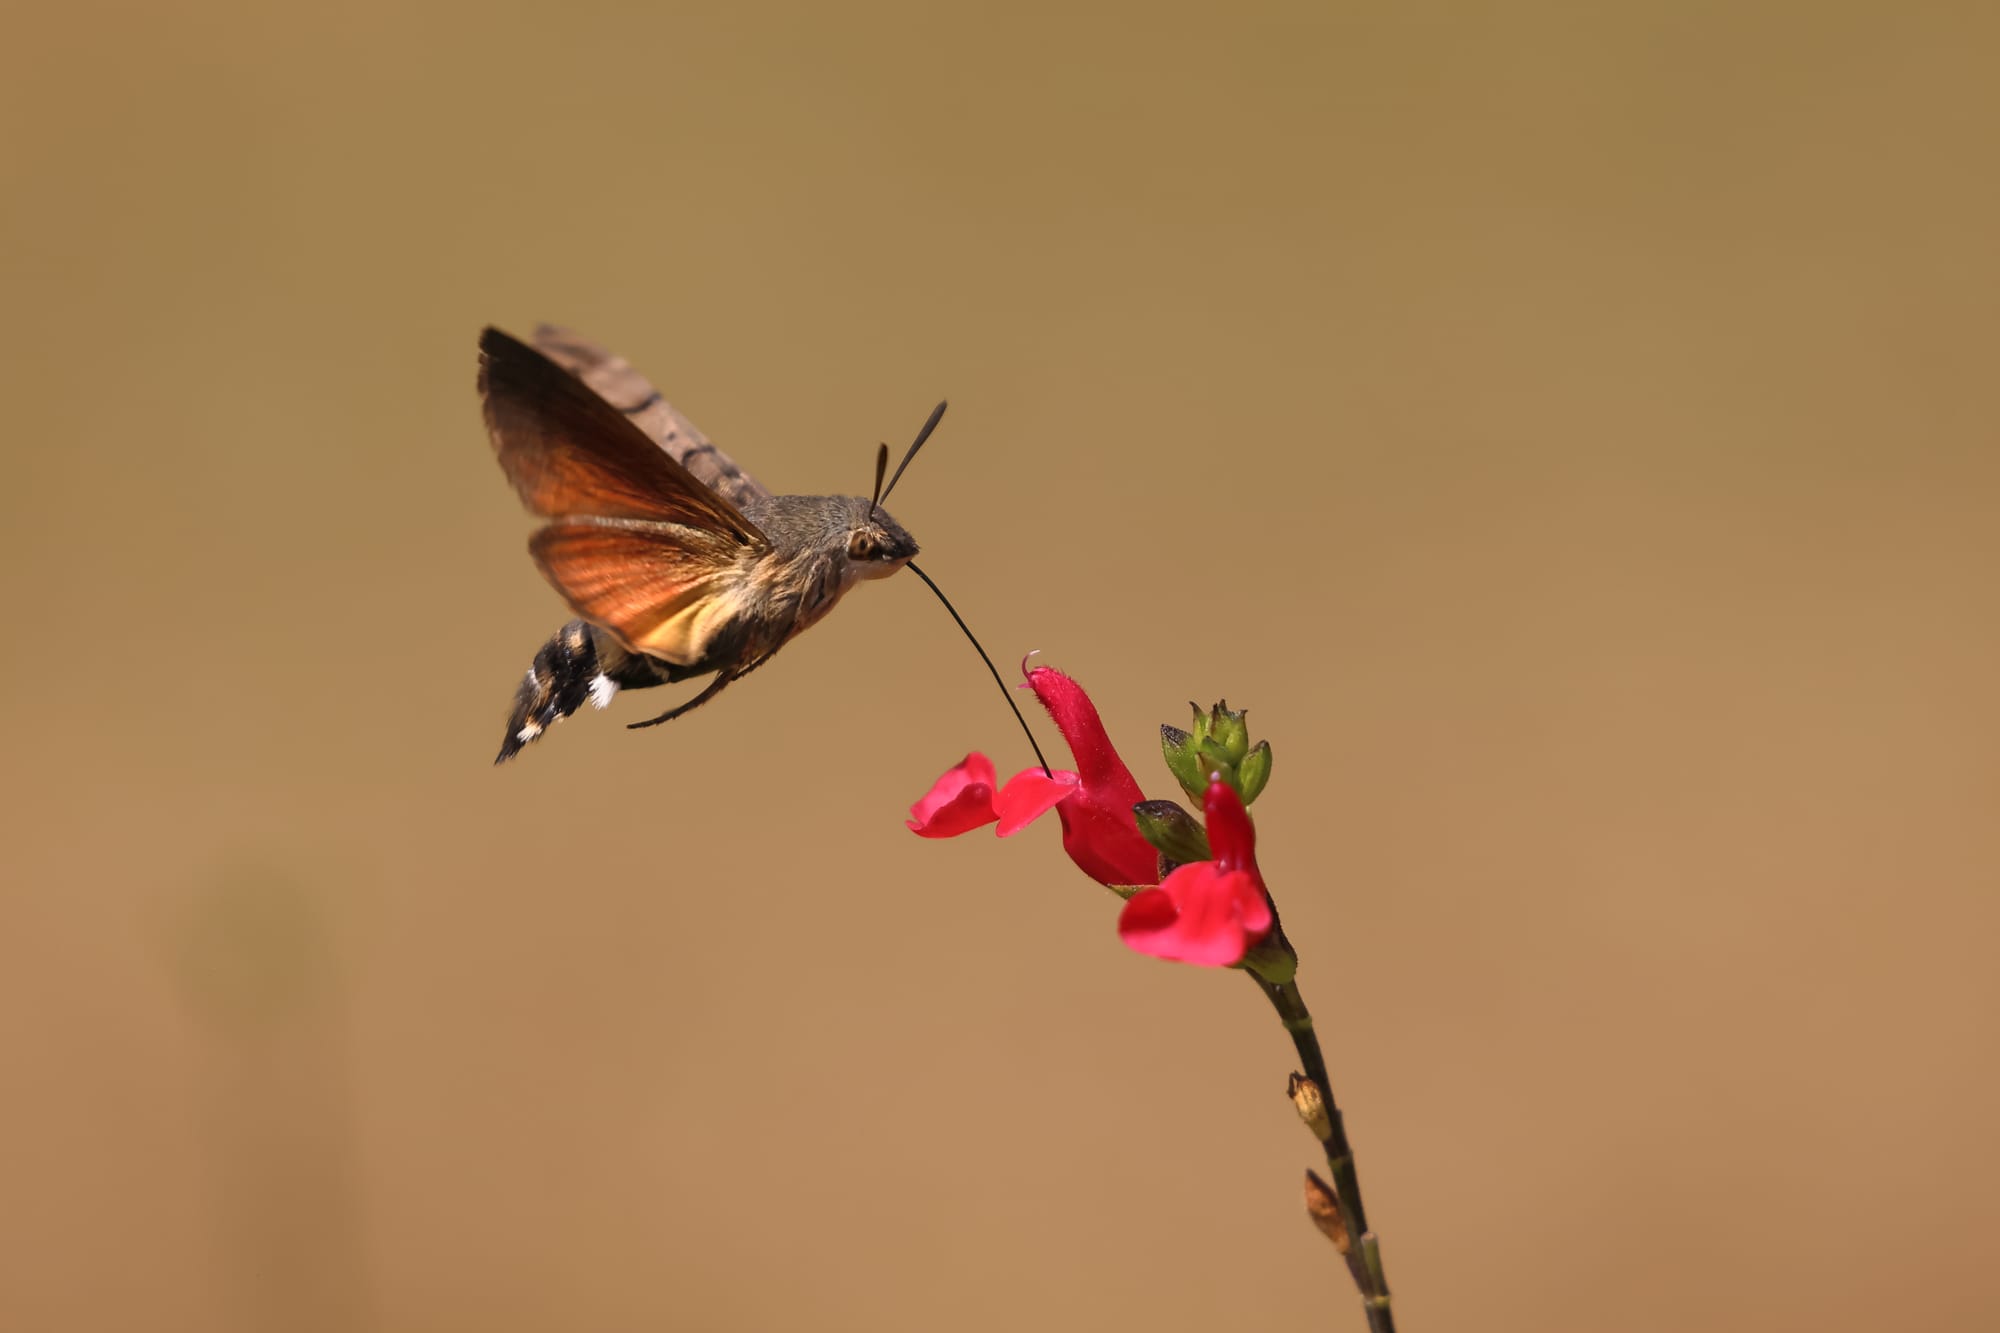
x,y
1324,1210
1311,1104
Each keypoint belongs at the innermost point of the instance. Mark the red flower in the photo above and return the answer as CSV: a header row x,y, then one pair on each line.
x,y
1209,912
969,796
1094,804
1099,831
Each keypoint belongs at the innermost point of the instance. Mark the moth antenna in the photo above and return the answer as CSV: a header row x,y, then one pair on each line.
x,y
1005,693
922,435
881,466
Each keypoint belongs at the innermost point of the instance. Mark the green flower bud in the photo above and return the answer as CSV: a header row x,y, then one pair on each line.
x,y
1218,744
1254,771
1184,761
1228,728
1215,760
1176,834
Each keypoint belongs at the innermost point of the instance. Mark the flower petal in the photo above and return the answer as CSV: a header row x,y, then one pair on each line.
x,y
1231,836
1197,916
1100,832
1104,839
1029,795
1253,908
958,802
1233,839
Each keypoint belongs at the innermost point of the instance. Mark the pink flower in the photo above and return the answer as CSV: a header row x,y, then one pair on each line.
x,y
1208,912
1094,803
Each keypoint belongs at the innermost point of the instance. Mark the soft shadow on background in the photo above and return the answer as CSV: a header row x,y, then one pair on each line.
x,y
1570,429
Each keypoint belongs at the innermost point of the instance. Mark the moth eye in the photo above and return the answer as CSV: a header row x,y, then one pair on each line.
x,y
860,546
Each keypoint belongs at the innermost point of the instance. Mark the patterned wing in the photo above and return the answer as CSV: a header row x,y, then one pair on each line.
x,y
614,380
571,454
661,590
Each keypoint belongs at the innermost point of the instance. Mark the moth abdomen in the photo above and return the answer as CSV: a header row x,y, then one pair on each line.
x,y
579,664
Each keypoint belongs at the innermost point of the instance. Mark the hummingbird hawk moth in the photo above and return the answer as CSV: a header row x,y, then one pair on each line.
x,y
676,561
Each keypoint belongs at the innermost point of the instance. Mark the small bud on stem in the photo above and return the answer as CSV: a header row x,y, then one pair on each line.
x,y
1311,1104
1324,1209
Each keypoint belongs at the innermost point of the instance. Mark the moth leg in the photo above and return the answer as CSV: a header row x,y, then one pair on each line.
x,y
754,665
715,687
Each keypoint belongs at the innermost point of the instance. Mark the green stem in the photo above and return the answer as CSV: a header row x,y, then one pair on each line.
x,y
1292,1012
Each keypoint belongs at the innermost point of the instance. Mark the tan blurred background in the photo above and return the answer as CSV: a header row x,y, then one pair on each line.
x,y
1571,430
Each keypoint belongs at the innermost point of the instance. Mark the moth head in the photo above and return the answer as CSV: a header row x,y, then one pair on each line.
x,y
877,545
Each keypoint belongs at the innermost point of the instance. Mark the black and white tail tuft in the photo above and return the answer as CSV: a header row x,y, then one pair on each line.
x,y
564,675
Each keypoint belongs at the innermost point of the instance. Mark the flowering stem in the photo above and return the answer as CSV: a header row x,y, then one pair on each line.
x,y
1367,1272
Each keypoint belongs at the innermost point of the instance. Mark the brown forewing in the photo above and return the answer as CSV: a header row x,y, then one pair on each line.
x,y
571,454
615,381
662,591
